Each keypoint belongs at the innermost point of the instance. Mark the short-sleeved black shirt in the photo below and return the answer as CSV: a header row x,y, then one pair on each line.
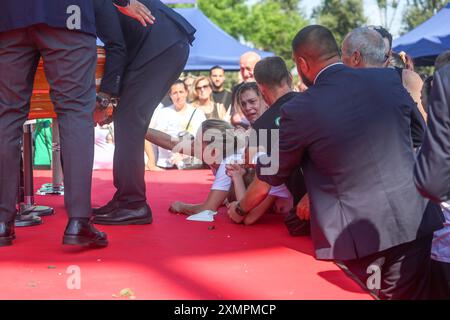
x,y
223,97
271,119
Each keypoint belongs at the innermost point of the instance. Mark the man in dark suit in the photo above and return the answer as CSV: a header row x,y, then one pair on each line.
x,y
62,32
107,26
156,56
356,152
432,171
432,176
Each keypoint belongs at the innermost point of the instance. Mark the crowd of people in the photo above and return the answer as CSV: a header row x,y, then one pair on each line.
x,y
346,155
354,155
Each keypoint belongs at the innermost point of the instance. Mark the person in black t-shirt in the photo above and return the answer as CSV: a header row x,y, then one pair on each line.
x,y
220,95
275,84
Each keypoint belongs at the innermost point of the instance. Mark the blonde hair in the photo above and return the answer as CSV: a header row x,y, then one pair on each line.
x,y
191,95
196,82
221,136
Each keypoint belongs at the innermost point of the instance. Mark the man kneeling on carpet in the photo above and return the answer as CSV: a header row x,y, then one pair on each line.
x,y
361,217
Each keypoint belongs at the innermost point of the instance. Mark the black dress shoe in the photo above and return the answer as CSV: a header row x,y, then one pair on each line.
x,y
81,232
7,234
110,206
121,216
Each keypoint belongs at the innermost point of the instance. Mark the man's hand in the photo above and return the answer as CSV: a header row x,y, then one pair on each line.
x,y
176,158
303,209
101,117
233,214
139,12
176,207
235,170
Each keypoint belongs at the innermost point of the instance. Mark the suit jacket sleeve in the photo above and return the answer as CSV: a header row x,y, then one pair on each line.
x,y
121,3
432,169
418,126
291,146
110,32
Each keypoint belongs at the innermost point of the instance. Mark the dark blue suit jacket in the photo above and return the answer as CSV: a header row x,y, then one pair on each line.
x,y
17,14
129,45
145,43
110,32
351,133
432,171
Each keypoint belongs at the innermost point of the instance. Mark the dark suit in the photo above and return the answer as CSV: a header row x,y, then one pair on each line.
x,y
144,44
351,134
17,14
156,56
39,28
432,170
109,31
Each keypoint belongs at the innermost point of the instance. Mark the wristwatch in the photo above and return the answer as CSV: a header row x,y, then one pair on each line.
x,y
121,3
239,210
103,102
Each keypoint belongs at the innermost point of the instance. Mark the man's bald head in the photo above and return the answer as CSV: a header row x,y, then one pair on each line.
x,y
247,63
314,48
250,56
315,43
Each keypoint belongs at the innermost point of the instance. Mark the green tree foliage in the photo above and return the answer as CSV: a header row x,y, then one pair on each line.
x,y
231,15
266,24
419,11
273,25
388,12
292,5
340,16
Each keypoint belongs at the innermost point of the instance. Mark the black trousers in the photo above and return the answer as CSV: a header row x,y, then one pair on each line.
x,y
69,62
402,272
296,185
440,280
142,91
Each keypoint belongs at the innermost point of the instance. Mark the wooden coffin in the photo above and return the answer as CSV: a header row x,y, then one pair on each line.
x,y
41,104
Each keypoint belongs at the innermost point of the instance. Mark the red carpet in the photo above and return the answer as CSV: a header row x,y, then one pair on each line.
x,y
171,259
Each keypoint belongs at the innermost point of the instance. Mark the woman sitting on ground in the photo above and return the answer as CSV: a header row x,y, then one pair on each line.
x,y
226,141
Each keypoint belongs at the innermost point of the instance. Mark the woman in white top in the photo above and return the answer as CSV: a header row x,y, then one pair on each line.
x,y
176,119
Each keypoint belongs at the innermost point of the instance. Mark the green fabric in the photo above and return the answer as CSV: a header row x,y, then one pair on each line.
x,y
43,142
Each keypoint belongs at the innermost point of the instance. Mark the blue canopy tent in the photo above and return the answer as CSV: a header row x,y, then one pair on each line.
x,y
213,46
428,40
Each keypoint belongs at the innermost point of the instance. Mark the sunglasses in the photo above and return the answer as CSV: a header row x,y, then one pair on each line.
x,y
203,88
